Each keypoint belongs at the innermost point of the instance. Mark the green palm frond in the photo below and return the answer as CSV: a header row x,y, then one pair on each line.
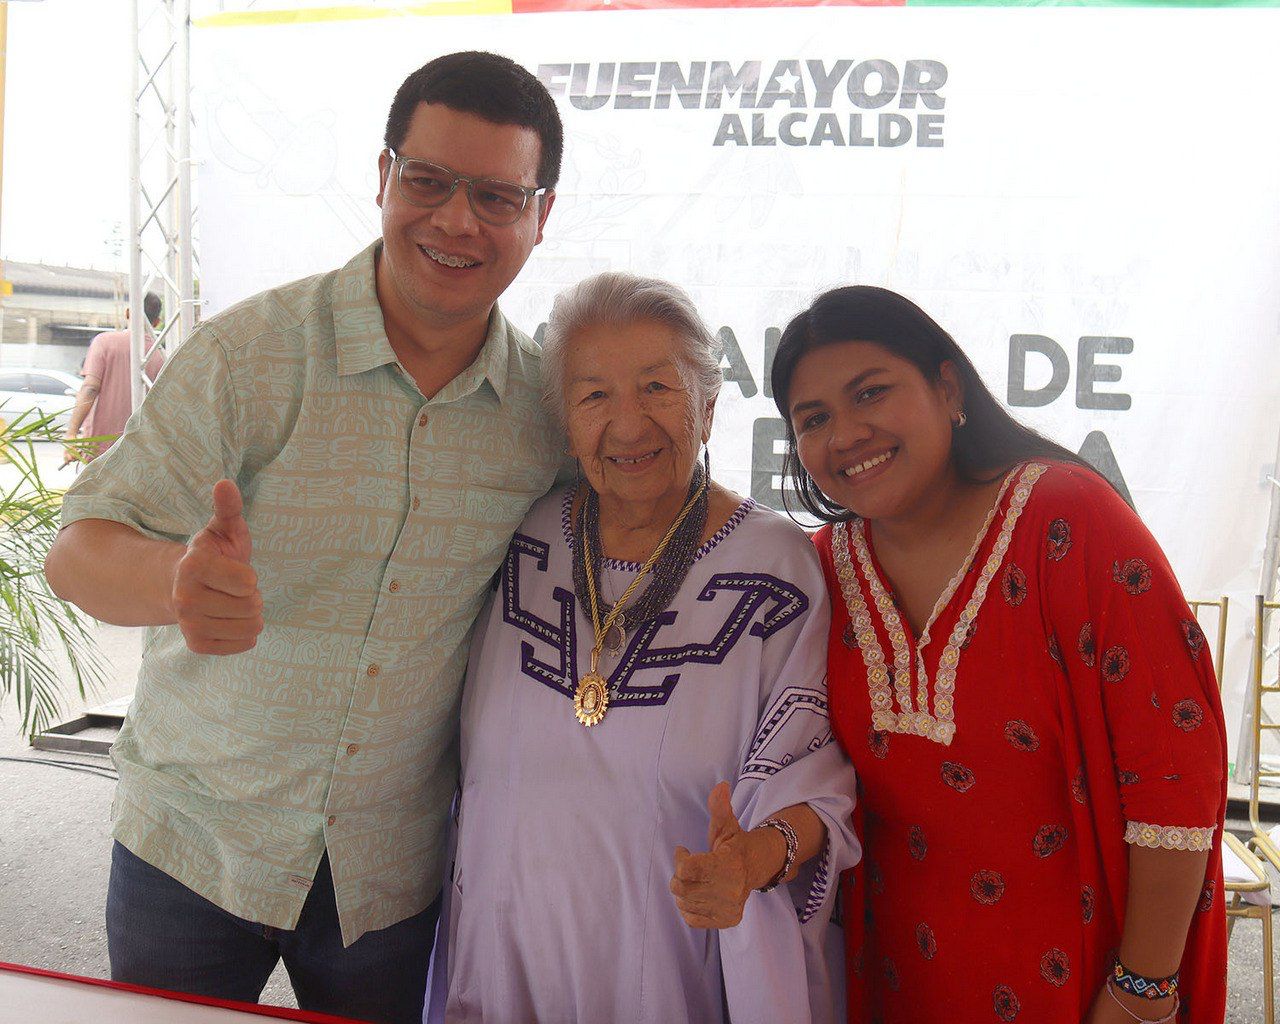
x,y
43,640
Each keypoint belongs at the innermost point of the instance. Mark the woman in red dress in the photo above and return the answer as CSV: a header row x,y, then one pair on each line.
x,y
1025,694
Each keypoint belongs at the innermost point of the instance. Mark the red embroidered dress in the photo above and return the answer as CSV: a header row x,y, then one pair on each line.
x,y
1060,704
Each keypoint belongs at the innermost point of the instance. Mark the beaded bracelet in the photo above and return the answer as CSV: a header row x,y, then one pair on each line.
x,y
1168,1018
1140,985
793,847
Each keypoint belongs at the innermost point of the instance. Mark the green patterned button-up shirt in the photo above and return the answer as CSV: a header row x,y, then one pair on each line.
x,y
378,518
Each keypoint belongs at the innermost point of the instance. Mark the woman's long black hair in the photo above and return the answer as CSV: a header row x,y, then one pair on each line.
x,y
989,443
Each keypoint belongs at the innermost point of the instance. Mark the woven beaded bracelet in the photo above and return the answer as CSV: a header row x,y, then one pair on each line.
x,y
793,847
1140,985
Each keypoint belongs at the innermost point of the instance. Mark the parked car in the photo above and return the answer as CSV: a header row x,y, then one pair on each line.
x,y
37,391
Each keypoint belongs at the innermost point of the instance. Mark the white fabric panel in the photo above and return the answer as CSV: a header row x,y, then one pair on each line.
x,y
1080,174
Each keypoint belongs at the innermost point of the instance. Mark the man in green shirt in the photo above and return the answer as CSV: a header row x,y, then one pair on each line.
x,y
307,510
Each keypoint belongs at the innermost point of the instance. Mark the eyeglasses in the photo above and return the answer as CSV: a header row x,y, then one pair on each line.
x,y
430,185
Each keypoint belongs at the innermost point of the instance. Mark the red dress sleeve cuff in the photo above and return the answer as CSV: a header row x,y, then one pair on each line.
x,y
1194,839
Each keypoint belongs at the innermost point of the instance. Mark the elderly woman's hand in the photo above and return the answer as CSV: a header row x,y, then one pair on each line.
x,y
711,889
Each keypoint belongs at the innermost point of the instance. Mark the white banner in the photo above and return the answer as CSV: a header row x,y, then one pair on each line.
x,y
1087,199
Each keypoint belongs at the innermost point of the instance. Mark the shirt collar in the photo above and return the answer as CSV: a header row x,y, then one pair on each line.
x,y
360,334
491,363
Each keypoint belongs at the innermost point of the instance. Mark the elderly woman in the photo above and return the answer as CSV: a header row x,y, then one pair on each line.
x,y
653,637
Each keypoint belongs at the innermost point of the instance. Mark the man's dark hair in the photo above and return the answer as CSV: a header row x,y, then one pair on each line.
x,y
489,86
151,307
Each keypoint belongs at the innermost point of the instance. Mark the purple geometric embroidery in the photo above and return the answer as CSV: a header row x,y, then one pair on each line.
x,y
775,603
818,888
562,637
795,706
783,604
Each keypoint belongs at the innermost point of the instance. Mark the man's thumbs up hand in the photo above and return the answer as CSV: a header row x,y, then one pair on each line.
x,y
228,525
215,591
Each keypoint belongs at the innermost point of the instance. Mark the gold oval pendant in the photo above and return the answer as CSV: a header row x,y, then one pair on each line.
x,y
592,699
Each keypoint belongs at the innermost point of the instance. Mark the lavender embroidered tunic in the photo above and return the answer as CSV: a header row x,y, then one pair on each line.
x,y
559,909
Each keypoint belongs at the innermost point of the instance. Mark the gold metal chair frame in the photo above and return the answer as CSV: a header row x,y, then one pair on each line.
x,y
1220,641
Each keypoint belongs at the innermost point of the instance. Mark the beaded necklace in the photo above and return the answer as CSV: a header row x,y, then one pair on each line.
x,y
667,568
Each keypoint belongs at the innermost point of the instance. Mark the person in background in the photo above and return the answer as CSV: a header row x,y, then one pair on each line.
x,y
309,506
1028,701
105,399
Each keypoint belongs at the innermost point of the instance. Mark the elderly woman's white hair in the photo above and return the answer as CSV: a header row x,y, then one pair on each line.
x,y
617,298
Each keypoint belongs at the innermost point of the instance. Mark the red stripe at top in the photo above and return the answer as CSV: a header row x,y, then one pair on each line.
x,y
552,6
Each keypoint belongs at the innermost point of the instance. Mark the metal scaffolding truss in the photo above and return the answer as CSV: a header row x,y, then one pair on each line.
x,y
161,212
1269,650
1270,588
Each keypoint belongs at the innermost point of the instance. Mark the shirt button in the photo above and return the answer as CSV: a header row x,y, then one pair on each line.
x,y
416,503
352,748
331,819
422,420
372,670
393,586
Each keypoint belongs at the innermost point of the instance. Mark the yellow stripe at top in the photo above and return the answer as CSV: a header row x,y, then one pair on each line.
x,y
351,13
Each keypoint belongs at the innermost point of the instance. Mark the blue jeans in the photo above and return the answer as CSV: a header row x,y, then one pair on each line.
x,y
163,935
